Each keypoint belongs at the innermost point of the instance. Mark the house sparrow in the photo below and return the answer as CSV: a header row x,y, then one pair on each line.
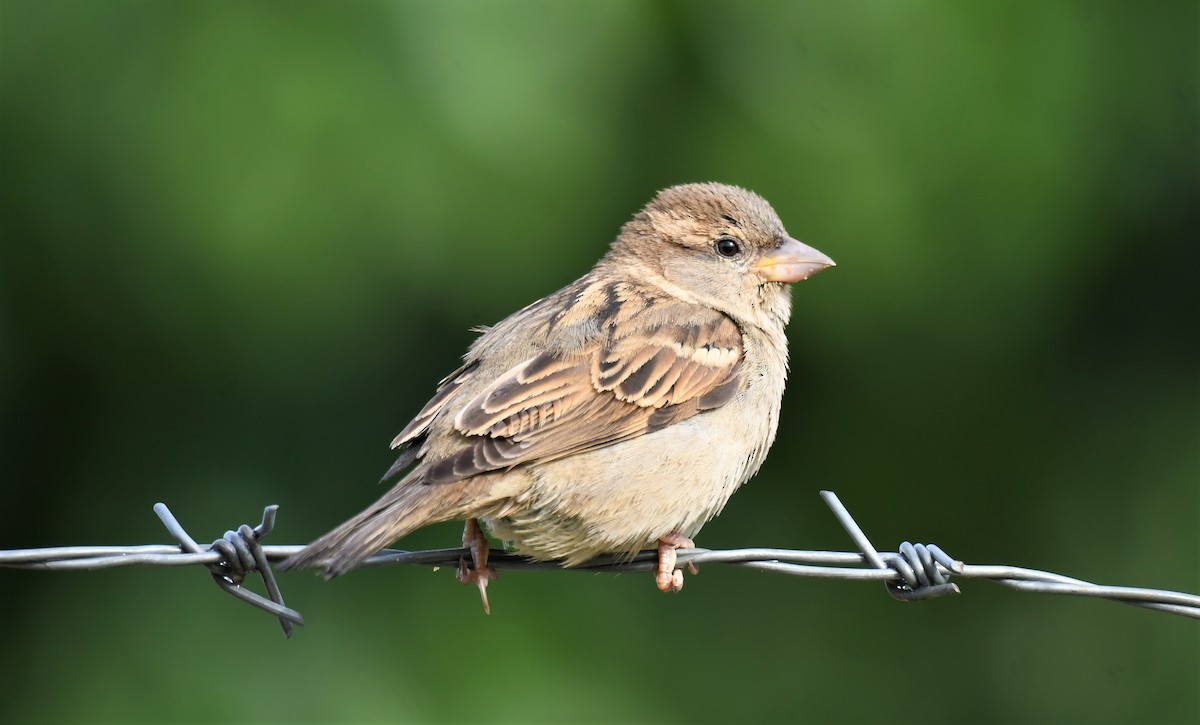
x,y
617,414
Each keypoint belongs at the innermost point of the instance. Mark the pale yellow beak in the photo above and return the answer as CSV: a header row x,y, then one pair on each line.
x,y
792,262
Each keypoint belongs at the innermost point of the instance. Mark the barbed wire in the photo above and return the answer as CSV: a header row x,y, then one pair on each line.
x,y
914,572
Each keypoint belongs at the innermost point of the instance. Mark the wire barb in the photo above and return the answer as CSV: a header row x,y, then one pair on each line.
x,y
240,554
915,572
920,577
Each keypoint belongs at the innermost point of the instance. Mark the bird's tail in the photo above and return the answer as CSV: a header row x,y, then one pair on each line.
x,y
410,505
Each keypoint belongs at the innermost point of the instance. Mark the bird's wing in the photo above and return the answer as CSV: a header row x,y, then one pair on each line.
x,y
448,387
413,433
636,377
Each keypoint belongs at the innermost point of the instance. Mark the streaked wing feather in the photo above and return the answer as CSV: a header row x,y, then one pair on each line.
x,y
448,388
556,405
542,381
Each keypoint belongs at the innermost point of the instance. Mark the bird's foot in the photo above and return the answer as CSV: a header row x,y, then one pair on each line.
x,y
666,576
477,572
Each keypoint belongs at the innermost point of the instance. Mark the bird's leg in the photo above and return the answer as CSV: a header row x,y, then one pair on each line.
x,y
478,573
666,576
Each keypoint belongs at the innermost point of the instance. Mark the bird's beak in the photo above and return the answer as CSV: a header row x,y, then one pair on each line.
x,y
793,261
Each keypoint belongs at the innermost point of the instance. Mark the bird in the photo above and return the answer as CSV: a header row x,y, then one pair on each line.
x,y
615,415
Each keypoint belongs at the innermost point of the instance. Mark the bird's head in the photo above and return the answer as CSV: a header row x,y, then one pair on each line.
x,y
718,245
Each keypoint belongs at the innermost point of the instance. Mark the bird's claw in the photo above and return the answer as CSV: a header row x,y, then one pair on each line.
x,y
477,572
666,576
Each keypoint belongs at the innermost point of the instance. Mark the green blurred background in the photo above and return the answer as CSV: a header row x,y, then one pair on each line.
x,y
242,241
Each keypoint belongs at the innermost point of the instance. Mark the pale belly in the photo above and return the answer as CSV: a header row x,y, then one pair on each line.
x,y
623,498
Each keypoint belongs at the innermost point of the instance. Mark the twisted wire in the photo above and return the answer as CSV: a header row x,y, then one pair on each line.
x,y
915,572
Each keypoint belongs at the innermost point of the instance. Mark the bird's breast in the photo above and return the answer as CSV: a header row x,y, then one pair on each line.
x,y
624,497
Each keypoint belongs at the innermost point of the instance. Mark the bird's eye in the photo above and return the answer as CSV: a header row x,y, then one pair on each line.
x,y
728,247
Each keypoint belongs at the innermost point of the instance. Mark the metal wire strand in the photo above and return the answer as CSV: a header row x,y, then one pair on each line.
x,y
915,572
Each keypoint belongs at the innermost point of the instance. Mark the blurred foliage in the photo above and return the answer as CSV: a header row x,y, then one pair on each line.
x,y
241,242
